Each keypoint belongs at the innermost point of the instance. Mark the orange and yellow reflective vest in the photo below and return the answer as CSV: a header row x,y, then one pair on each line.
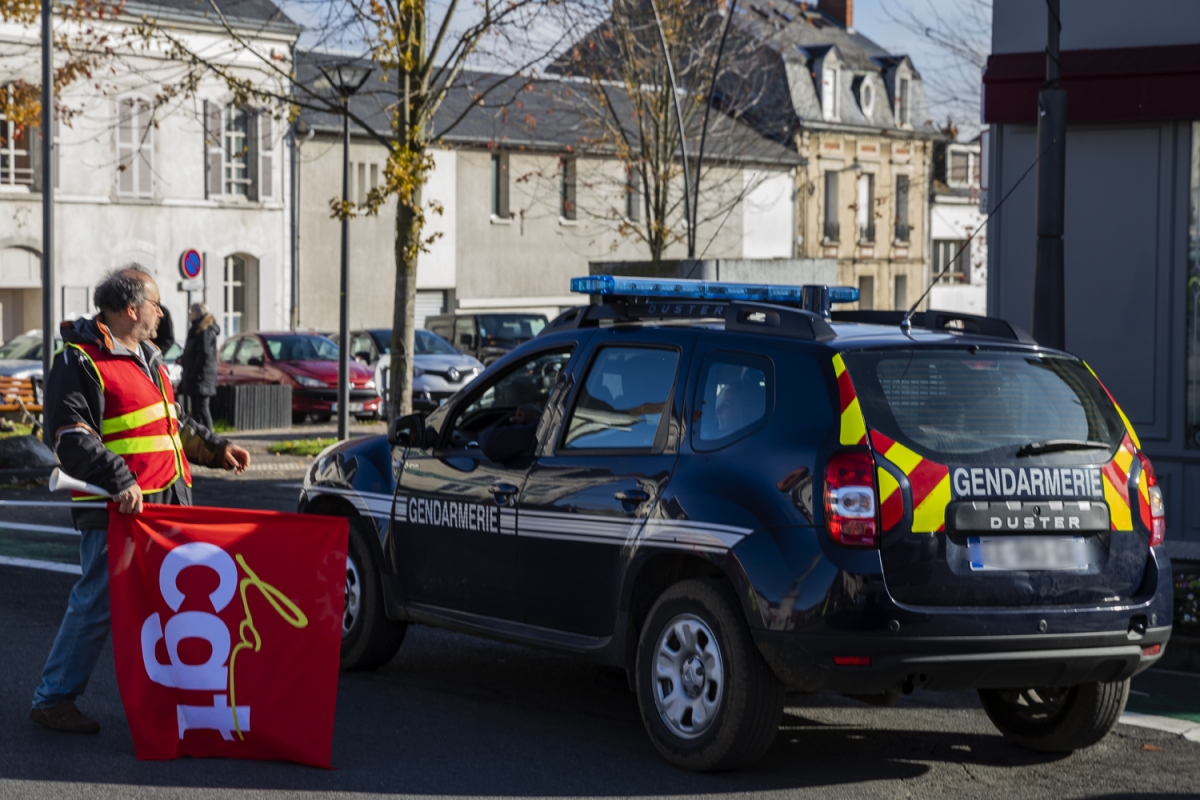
x,y
140,423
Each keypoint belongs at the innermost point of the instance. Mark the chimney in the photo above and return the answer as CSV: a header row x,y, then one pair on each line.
x,y
840,11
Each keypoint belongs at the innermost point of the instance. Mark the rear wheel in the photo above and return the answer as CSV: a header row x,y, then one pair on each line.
x,y
708,700
1056,719
369,638
298,417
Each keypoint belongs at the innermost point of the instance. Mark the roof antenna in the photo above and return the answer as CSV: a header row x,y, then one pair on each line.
x,y
906,322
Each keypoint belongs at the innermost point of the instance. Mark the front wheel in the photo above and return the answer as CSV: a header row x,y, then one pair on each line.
x,y
369,638
707,698
1056,719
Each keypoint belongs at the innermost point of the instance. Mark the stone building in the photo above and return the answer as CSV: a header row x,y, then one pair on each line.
x,y
954,215
144,180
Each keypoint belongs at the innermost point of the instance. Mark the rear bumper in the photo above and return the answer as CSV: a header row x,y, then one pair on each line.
x,y
322,400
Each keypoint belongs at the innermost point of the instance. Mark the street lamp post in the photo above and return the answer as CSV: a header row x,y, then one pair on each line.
x,y
47,191
346,79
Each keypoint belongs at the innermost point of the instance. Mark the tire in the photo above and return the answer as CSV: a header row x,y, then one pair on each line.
x,y
322,417
369,638
298,417
695,647
1056,719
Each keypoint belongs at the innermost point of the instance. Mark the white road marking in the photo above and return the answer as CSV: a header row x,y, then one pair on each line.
x,y
49,566
1187,729
29,526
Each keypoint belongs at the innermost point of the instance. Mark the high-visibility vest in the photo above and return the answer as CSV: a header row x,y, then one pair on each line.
x,y
140,423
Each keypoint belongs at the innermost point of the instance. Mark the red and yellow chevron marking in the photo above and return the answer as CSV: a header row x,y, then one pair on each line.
x,y
854,427
1116,486
930,487
1144,505
1128,425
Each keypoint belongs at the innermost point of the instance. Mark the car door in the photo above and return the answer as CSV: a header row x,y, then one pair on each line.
x,y
227,363
250,362
455,542
589,493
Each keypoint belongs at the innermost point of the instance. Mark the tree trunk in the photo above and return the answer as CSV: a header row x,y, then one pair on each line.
x,y
408,239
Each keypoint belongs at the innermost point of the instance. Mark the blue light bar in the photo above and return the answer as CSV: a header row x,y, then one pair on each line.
x,y
662,288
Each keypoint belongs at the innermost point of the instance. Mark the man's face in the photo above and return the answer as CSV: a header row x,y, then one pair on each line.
x,y
148,314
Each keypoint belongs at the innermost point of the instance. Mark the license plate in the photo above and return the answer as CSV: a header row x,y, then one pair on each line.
x,y
352,406
1028,553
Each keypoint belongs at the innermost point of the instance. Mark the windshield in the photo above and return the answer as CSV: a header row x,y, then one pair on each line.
x,y
29,347
424,343
952,405
301,348
510,327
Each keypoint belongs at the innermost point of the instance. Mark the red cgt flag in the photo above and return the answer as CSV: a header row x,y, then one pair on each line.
x,y
227,626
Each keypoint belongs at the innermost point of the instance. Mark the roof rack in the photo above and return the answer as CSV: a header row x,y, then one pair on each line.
x,y
936,320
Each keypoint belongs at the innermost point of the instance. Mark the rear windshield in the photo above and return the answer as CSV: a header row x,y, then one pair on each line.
x,y
510,327
952,405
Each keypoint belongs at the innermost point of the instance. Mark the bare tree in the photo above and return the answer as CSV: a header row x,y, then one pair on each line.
x,y
633,110
962,37
420,51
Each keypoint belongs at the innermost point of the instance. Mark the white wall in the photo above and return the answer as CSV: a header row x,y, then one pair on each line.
x,y
435,269
1019,26
768,214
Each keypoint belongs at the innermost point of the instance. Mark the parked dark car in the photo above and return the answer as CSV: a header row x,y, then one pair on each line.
x,y
729,495
487,337
306,361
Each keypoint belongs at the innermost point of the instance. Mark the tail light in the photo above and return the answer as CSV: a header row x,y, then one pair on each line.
x,y
1154,511
850,500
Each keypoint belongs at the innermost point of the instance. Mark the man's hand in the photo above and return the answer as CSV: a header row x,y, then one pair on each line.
x,y
130,500
236,459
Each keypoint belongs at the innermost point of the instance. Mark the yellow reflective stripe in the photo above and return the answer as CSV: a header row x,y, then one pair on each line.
x,y
854,427
903,458
136,419
1122,519
839,366
1128,425
888,485
145,444
931,514
95,368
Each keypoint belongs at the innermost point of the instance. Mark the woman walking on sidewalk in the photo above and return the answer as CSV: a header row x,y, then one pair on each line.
x,y
199,361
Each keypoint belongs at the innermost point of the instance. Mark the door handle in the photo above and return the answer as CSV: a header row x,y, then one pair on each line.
x,y
505,490
632,496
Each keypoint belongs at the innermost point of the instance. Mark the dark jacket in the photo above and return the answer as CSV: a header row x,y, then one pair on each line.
x,y
164,337
75,407
199,360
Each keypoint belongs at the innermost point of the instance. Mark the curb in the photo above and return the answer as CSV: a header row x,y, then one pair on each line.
x,y
1180,727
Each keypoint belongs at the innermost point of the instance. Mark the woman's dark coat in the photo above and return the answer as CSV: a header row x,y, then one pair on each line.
x,y
199,359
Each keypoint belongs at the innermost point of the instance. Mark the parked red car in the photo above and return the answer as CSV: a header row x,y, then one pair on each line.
x,y
306,361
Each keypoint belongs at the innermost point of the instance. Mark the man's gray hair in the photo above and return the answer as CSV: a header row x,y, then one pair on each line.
x,y
122,288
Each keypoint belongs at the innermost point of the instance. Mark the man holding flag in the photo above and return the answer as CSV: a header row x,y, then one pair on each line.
x,y
112,418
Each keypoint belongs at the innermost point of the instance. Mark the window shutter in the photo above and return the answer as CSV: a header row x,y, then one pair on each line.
x,y
266,159
144,145
503,210
214,151
252,153
126,145
902,199
568,188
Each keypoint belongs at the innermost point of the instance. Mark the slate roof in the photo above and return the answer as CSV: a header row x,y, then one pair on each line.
x,y
548,114
257,14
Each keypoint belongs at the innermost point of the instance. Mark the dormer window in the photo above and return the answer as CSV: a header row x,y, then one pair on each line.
x,y
866,96
830,82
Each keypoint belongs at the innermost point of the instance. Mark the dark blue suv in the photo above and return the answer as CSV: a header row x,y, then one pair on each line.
x,y
728,491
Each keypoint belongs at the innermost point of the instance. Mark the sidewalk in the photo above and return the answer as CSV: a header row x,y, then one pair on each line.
x,y
263,461
1165,700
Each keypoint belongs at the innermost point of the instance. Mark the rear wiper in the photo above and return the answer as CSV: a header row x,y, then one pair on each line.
x,y
1058,445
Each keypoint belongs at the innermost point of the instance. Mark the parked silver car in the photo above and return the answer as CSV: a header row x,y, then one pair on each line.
x,y
439,370
21,357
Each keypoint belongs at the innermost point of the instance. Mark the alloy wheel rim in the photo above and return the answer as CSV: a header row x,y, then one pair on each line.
x,y
353,597
1039,704
689,676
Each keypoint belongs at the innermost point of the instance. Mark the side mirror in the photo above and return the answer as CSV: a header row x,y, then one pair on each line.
x,y
466,340
407,431
254,362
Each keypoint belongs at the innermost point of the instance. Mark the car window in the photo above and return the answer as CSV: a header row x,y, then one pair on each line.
x,y
623,399
300,347
510,327
383,340
360,343
173,352
228,349
734,395
251,348
29,347
430,344
530,383
464,327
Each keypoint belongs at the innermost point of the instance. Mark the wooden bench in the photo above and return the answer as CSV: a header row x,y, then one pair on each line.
x,y
17,396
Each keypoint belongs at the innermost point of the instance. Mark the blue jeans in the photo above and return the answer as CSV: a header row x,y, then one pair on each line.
x,y
84,627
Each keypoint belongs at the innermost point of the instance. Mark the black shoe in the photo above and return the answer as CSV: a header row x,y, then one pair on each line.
x,y
64,717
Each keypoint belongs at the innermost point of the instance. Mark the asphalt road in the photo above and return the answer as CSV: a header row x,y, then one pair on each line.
x,y
453,715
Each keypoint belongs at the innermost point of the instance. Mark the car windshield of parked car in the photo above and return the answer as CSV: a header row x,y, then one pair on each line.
x,y
510,327
28,347
430,344
301,348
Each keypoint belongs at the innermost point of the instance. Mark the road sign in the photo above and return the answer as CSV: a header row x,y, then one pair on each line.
x,y
190,264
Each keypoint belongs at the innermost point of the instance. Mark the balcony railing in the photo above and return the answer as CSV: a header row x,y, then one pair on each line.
x,y
866,233
902,231
831,231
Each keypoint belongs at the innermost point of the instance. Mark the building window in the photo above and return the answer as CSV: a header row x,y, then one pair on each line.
x,y
235,295
135,148
902,228
566,173
633,193
944,252
236,129
866,96
16,163
831,206
900,296
903,101
830,82
866,292
362,183
500,206
1193,296
865,215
